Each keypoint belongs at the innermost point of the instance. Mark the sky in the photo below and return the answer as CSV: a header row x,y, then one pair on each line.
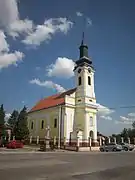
x,y
39,43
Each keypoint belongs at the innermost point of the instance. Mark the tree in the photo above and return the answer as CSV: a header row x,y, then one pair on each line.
x,y
2,121
21,129
133,125
13,120
2,115
125,134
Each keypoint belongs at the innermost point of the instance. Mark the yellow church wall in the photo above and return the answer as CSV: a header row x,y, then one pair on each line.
x,y
70,100
79,119
80,116
69,121
48,116
54,114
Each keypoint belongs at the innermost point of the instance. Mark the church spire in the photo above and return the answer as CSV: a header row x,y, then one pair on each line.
x,y
83,48
84,58
82,39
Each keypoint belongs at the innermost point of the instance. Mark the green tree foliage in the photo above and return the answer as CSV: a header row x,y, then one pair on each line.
x,y
21,129
125,133
133,125
2,115
2,121
130,132
13,120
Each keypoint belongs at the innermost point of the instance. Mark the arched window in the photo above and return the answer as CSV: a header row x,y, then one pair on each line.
x,y
91,134
91,121
32,125
55,123
42,124
79,81
89,80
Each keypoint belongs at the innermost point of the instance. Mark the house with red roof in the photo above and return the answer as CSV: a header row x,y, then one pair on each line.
x,y
72,113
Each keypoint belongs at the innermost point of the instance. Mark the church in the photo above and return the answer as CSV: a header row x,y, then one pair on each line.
x,y
71,113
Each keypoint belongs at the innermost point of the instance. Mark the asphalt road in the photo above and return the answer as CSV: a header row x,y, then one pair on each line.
x,y
67,166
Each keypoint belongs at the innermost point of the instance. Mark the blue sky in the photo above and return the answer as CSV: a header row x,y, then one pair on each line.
x,y
46,36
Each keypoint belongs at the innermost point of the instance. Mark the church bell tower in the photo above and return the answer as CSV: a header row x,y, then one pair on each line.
x,y
84,74
85,101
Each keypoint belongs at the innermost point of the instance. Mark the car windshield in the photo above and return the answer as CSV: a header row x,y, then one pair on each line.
x,y
110,144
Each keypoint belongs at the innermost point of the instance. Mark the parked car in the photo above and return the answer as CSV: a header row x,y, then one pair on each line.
x,y
127,147
14,144
111,147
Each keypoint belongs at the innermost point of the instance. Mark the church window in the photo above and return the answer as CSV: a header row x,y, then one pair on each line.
x,y
89,80
55,123
79,81
79,70
91,121
32,125
42,124
89,70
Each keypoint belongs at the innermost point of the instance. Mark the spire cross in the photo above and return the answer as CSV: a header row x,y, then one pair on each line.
x,y
82,38
84,26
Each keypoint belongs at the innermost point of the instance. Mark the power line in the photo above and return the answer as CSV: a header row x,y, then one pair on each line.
x,y
120,107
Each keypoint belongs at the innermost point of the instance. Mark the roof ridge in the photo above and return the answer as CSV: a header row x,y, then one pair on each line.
x,y
52,101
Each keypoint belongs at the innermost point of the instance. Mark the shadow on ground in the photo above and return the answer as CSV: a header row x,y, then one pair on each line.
x,y
121,173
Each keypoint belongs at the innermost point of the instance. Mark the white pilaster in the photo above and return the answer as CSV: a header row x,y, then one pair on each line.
x,y
95,128
86,126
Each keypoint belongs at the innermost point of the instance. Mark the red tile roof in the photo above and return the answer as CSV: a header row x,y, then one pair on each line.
x,y
52,101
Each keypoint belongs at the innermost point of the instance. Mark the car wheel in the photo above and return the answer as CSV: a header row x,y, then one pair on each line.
x,y
102,150
126,149
114,149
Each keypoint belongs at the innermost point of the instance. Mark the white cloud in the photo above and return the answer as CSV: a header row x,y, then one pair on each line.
x,y
122,118
131,115
123,122
130,119
109,118
79,13
63,67
102,110
10,20
47,30
4,46
8,12
21,26
7,58
126,120
48,84
38,68
89,21
7,116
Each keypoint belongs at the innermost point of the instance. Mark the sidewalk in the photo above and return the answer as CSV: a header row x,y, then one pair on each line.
x,y
24,149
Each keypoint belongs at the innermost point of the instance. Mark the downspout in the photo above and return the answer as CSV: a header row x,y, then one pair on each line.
x,y
59,127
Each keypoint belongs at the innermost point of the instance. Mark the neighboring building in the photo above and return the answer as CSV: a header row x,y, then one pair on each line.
x,y
5,128
72,111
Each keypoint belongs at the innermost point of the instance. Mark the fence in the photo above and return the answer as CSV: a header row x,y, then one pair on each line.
x,y
76,144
